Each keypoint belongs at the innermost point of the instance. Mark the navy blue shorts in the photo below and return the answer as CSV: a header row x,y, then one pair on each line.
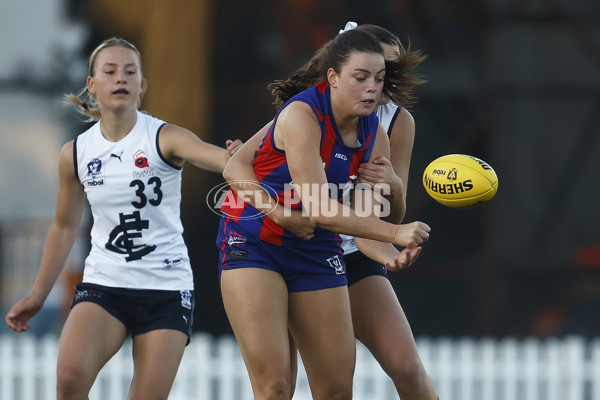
x,y
359,266
142,310
304,266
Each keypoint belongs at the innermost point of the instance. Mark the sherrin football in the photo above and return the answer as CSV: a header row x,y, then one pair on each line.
x,y
460,181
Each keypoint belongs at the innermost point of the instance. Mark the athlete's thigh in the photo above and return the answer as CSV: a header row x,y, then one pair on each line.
x,y
378,319
89,338
156,358
321,325
255,301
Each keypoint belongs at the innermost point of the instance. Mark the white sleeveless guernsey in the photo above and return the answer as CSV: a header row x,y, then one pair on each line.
x,y
387,114
135,195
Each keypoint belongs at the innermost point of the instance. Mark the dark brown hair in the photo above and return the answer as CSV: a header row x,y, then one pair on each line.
x,y
399,73
398,84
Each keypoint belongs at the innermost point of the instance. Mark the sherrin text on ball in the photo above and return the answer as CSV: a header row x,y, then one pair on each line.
x,y
460,181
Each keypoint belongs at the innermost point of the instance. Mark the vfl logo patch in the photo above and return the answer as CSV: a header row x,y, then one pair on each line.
x,y
94,171
186,299
336,263
94,168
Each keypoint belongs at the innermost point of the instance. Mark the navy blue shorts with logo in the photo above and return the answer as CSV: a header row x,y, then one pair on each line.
x,y
142,310
359,266
306,265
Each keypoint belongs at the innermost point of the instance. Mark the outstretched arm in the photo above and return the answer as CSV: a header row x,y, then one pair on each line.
x,y
298,130
178,145
60,239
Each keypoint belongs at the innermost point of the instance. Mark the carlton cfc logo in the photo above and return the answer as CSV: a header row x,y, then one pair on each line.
x,y
140,159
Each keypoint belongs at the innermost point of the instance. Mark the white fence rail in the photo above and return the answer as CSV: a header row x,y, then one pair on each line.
x,y
212,369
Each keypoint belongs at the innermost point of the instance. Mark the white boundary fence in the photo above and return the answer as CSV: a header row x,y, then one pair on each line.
x,y
212,369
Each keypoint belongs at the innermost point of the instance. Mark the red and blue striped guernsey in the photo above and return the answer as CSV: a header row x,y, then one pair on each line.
x,y
270,165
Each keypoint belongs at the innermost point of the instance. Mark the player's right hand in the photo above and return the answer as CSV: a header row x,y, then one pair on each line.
x,y
19,315
411,235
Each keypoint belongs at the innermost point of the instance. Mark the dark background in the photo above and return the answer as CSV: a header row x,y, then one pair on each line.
x,y
515,83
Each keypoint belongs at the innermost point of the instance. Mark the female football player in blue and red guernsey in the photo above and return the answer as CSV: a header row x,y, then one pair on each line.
x,y
271,278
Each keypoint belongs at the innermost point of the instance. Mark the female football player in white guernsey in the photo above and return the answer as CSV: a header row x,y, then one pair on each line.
x,y
137,277
377,316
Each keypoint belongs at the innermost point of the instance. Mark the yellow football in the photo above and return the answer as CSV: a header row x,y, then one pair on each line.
x,y
460,181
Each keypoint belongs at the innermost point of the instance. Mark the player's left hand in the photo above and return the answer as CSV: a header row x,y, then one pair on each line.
x,y
404,259
233,145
